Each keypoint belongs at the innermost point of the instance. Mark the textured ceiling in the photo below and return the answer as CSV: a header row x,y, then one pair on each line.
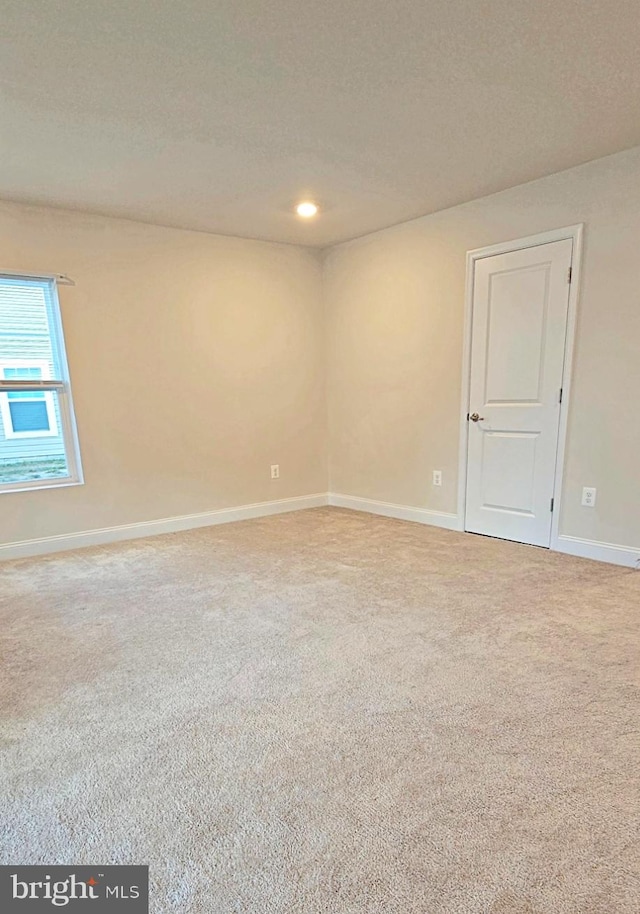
x,y
220,114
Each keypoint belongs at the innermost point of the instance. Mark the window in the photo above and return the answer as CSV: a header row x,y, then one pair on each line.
x,y
38,442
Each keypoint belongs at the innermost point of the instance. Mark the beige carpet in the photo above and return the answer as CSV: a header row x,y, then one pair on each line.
x,y
328,713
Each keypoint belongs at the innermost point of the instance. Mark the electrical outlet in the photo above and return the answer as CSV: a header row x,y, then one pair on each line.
x,y
275,471
589,497
437,477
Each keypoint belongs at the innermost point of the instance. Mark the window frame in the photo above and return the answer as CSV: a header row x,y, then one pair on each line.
x,y
62,386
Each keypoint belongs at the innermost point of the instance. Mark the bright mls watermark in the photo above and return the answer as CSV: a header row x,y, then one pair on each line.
x,y
33,889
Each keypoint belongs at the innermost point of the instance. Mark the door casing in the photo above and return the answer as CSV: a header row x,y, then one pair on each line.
x,y
574,233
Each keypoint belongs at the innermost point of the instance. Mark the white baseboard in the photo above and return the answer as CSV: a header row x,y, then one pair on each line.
x,y
47,544
601,552
401,512
571,545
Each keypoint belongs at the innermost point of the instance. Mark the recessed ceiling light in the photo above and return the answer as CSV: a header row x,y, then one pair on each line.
x,y
306,210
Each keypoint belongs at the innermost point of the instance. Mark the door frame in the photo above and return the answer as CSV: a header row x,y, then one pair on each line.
x,y
574,233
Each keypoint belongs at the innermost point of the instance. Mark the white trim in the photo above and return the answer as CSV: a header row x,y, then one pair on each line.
x,y
48,544
401,512
60,278
575,234
570,545
65,400
52,482
601,552
567,377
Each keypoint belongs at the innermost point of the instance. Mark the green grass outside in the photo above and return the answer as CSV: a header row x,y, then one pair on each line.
x,y
35,468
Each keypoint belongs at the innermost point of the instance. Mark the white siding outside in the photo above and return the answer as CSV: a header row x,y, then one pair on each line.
x,y
25,337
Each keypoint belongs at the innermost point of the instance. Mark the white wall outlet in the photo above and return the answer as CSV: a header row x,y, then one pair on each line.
x,y
437,477
275,471
589,497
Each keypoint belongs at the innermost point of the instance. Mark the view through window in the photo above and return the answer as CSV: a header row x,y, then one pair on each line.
x,y
38,443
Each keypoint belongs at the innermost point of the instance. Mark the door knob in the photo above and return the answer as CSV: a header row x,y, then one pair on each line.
x,y
476,417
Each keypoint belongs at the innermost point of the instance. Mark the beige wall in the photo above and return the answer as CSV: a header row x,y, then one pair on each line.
x,y
196,362
395,303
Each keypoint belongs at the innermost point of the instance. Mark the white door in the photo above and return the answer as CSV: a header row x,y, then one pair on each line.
x,y
519,326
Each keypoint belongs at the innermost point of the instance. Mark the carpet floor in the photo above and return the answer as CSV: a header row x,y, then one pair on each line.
x,y
327,712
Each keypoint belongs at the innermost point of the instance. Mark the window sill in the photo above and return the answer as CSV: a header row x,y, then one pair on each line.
x,y
39,484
